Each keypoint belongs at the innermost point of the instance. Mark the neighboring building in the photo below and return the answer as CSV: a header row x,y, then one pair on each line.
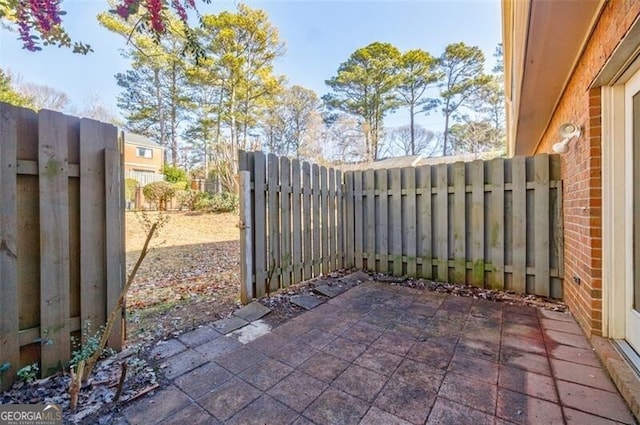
x,y
578,62
416,161
143,159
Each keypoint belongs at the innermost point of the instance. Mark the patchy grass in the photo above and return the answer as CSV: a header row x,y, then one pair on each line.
x,y
191,275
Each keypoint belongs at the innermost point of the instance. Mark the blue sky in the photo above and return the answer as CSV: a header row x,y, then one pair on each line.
x,y
318,34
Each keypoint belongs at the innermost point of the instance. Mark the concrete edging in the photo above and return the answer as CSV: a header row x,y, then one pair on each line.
x,y
625,379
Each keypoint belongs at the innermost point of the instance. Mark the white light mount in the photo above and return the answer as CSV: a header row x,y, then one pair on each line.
x,y
567,131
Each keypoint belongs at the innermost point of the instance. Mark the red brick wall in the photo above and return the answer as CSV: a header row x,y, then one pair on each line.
x,y
581,167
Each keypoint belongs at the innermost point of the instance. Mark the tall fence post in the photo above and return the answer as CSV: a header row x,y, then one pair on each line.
x,y
246,238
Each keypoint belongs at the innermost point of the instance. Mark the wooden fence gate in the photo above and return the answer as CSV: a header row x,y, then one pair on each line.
x,y
61,234
495,224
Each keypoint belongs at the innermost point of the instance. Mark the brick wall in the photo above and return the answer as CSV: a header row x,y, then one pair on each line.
x,y
581,167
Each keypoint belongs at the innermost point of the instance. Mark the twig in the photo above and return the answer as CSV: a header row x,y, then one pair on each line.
x,y
114,313
141,393
123,376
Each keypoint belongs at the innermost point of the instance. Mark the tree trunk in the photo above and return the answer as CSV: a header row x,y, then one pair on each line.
x,y
446,129
413,137
232,115
161,121
174,116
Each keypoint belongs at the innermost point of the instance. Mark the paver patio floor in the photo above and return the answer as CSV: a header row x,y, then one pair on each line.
x,y
383,354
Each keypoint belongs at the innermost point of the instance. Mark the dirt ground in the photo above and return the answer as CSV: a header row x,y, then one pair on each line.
x,y
191,275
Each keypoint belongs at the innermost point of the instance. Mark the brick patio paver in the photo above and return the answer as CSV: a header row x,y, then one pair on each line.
x,y
182,363
383,354
199,336
265,409
478,395
203,379
446,412
298,390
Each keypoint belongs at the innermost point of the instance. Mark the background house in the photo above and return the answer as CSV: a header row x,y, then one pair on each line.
x,y
143,159
577,62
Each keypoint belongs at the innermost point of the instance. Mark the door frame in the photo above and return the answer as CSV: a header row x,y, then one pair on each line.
x,y
617,206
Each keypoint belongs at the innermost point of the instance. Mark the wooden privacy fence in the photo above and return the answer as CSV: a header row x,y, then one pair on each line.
x,y
495,224
61,234
290,230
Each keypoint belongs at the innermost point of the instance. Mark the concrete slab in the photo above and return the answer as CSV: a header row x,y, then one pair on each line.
x,y
355,278
305,301
230,324
252,311
330,291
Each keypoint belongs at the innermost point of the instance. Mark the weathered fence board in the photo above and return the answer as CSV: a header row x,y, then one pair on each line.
x,y
9,288
324,217
476,223
296,212
316,206
493,224
273,192
425,222
306,184
340,218
409,217
519,225
331,214
285,219
382,219
54,246
260,222
358,218
61,185
541,223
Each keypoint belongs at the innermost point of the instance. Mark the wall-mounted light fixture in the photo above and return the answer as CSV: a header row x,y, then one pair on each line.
x,y
567,131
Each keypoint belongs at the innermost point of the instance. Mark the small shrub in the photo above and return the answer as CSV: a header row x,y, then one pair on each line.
x,y
218,203
159,193
189,198
29,373
130,186
174,174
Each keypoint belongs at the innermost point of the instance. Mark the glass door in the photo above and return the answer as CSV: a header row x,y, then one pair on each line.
x,y
632,213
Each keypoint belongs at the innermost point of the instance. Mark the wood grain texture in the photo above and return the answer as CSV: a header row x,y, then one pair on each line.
x,y
54,235
9,290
